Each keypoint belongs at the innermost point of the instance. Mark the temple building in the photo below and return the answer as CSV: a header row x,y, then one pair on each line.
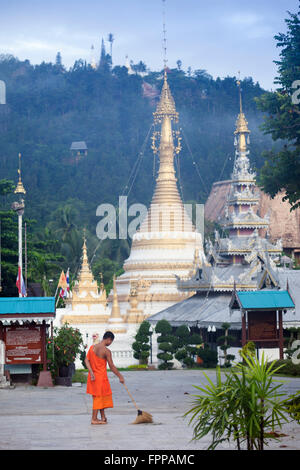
x,y
164,245
86,308
284,224
86,304
247,230
236,203
162,249
78,150
168,275
245,260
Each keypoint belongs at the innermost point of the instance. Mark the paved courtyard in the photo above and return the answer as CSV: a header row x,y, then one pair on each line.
x,y
59,417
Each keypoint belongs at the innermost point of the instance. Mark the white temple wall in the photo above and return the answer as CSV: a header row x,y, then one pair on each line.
x,y
271,354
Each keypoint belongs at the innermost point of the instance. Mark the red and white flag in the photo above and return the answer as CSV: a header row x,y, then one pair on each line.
x,y
20,283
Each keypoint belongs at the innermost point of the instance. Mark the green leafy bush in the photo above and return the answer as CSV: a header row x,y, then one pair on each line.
x,y
244,408
138,367
165,342
293,406
184,345
141,345
208,356
288,367
66,344
248,350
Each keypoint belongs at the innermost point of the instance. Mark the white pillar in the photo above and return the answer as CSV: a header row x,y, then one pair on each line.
x,y
2,357
20,249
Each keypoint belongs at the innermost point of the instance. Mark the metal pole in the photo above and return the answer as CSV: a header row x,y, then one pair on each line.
x,y
25,234
0,258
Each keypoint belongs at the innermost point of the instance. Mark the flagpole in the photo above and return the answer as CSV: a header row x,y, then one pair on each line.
x,y
56,292
57,301
18,207
26,258
20,249
0,257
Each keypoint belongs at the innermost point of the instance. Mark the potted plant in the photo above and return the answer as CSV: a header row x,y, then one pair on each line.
x,y
67,343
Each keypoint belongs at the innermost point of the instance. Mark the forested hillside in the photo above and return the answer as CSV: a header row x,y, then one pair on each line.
x,y
49,107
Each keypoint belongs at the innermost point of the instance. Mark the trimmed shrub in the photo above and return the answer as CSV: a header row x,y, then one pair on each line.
x,y
288,368
165,342
141,346
208,356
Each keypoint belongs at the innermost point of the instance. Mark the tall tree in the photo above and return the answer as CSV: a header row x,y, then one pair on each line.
x,y
281,170
179,64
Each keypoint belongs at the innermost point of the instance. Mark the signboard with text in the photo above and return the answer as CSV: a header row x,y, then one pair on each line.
x,y
23,344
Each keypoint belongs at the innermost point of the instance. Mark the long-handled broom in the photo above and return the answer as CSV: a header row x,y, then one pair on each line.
x,y
142,416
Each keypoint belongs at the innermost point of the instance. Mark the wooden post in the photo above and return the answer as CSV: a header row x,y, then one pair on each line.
x,y
244,334
280,335
44,356
45,379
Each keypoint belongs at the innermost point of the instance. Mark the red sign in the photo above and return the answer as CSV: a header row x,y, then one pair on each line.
x,y
23,344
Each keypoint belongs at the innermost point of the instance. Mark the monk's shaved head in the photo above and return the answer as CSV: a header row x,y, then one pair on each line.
x,y
109,335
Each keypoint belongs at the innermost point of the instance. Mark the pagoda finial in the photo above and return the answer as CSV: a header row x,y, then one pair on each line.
x,y
84,248
20,188
164,39
240,92
242,130
86,279
166,105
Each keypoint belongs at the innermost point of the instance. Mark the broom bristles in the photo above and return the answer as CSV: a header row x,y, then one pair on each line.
x,y
143,417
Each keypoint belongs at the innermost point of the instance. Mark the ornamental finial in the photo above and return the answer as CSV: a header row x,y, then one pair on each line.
x,y
241,124
20,188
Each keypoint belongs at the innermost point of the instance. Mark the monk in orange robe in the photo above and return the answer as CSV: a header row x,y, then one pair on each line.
x,y
97,383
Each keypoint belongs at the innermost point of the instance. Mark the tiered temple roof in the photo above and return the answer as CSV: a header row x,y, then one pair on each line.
x,y
245,225
244,260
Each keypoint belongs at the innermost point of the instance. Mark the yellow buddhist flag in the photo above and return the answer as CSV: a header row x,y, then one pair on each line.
x,y
62,281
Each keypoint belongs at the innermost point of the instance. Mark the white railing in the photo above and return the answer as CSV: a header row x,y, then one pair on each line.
x,y
122,354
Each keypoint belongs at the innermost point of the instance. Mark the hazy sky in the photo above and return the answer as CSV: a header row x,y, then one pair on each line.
x,y
221,36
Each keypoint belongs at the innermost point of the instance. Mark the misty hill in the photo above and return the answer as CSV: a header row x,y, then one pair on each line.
x,y
49,107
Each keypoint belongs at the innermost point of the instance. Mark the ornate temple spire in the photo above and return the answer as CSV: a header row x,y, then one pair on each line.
x,y
242,132
85,291
240,218
85,272
166,195
20,188
86,279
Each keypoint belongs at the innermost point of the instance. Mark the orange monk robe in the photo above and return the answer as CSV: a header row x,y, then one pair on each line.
x,y
100,387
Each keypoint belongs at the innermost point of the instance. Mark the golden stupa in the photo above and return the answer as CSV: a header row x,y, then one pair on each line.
x,y
165,244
